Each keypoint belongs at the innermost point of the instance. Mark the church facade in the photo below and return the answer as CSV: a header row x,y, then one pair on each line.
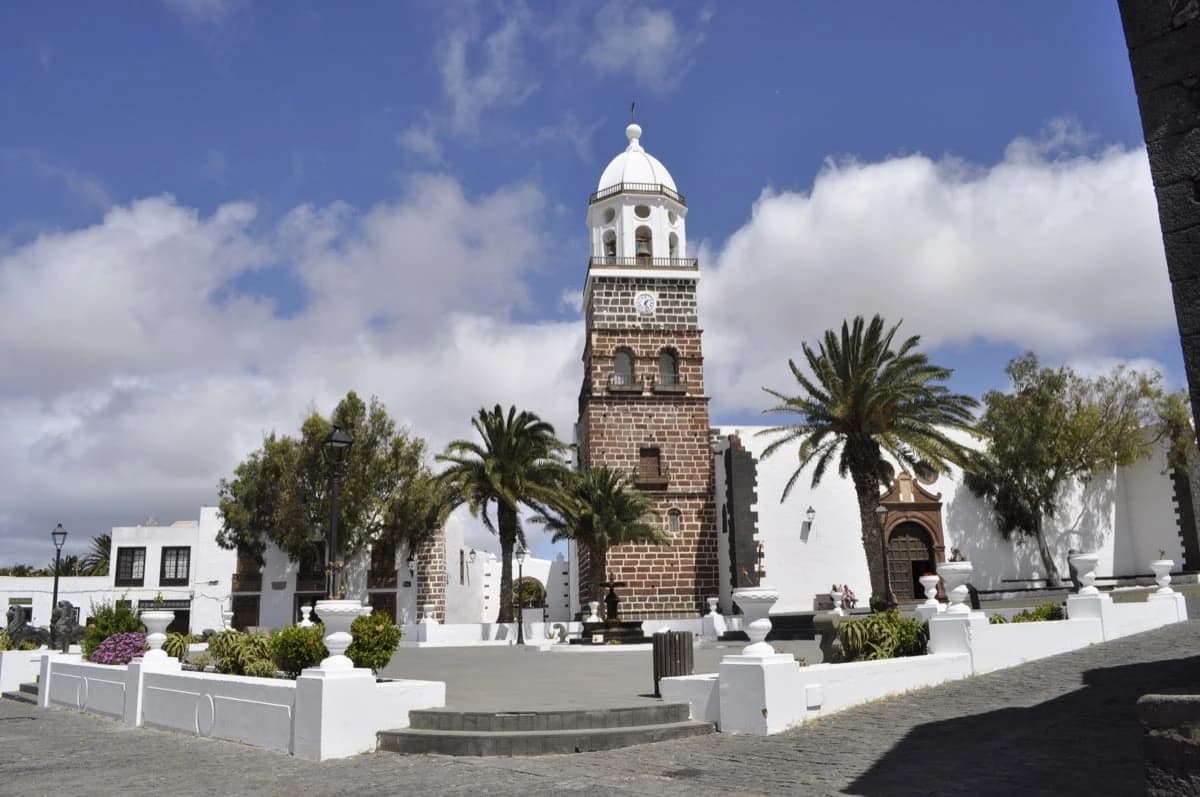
x,y
643,409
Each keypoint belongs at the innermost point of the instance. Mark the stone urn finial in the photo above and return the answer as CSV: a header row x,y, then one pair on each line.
x,y
956,575
338,615
756,603
1085,567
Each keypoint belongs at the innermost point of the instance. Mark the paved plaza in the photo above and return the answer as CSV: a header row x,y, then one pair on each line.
x,y
1064,725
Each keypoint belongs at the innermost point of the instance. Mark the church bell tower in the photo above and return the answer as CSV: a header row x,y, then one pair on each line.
x,y
642,406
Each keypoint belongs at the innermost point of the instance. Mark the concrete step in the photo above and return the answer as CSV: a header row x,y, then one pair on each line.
x,y
29,689
21,697
565,720
533,743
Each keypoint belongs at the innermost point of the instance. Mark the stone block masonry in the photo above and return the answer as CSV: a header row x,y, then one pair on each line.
x,y
1163,37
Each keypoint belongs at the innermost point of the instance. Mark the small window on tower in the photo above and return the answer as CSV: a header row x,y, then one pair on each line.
x,y
623,368
673,245
609,215
610,243
668,368
674,520
651,473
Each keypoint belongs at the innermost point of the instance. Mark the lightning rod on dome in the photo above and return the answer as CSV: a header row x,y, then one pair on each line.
x,y
633,112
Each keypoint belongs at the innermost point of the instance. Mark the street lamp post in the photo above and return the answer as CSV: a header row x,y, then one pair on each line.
x,y
337,447
520,602
59,536
889,600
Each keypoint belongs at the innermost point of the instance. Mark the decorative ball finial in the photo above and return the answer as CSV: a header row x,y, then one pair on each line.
x,y
633,133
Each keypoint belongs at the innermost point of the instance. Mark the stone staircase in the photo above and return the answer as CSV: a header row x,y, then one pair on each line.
x,y
531,733
26,693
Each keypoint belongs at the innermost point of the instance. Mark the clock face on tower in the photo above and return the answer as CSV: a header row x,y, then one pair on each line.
x,y
645,303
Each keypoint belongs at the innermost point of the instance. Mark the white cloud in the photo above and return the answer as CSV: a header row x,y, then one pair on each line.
x,y
145,377
420,140
645,43
1060,254
481,73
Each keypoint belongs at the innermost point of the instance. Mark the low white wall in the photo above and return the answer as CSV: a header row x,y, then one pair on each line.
x,y
321,715
18,667
994,647
255,711
854,683
698,691
98,688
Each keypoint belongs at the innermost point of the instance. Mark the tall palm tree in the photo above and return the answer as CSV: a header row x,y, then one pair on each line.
x,y
600,510
516,464
862,399
95,561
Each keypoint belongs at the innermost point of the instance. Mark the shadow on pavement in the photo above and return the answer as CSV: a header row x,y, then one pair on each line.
x,y
1085,742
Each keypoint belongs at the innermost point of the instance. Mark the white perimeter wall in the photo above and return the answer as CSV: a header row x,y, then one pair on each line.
x,y
1126,517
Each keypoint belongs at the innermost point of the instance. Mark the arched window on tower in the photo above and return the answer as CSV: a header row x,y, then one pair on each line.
x,y
623,368
610,243
673,245
644,248
668,368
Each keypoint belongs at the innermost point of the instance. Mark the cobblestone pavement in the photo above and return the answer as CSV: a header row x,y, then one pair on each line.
x,y
1060,726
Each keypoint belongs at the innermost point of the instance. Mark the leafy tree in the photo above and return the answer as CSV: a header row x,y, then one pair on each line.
x,y
600,510
1175,423
281,492
1056,428
69,565
515,464
529,592
861,399
95,561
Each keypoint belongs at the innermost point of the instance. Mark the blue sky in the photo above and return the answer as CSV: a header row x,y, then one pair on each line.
x,y
220,213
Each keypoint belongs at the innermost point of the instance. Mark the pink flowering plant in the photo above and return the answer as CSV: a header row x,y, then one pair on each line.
x,y
119,648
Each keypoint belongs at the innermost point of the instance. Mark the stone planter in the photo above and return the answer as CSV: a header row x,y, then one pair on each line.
x,y
956,575
227,618
1085,571
712,604
338,616
1162,575
593,612
156,622
756,603
929,583
428,615
305,617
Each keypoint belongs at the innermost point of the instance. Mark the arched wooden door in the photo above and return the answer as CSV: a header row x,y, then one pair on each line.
x,y
910,556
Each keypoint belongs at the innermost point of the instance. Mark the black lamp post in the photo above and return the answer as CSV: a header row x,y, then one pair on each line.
x,y
889,600
59,535
337,447
520,598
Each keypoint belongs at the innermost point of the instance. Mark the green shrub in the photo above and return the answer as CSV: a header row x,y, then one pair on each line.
x,y
375,639
6,642
1046,611
237,651
200,660
997,619
260,668
176,645
295,648
885,635
108,619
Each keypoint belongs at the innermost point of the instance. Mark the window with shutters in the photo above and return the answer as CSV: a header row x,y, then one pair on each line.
x,y
176,563
651,473
131,567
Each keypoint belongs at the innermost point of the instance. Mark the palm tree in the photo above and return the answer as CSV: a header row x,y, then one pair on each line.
x,y
863,399
95,561
600,510
69,565
516,464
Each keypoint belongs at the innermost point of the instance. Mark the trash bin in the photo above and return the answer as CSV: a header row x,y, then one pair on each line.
x,y
672,655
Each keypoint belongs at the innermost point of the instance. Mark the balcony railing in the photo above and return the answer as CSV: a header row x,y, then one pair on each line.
x,y
637,188
668,383
247,582
682,263
619,383
651,481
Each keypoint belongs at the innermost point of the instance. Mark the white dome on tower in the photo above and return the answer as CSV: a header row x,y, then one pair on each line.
x,y
635,165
